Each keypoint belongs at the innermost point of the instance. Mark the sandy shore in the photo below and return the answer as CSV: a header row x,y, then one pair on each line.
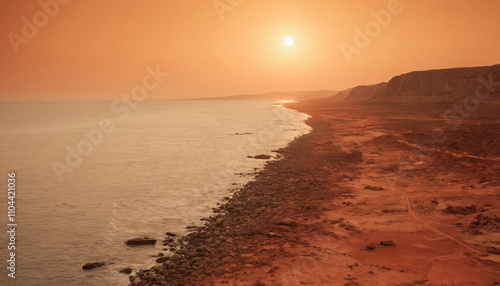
x,y
360,179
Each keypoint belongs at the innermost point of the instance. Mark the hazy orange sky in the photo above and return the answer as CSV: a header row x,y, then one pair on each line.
x,y
91,49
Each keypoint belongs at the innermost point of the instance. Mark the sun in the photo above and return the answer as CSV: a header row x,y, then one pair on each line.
x,y
288,41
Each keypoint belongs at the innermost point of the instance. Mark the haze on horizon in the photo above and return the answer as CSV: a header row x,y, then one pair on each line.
x,y
98,50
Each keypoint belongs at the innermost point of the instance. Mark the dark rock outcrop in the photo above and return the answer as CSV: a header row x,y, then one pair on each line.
x,y
141,241
463,210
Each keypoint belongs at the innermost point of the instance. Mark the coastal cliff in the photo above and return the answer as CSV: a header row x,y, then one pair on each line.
x,y
366,92
437,85
427,86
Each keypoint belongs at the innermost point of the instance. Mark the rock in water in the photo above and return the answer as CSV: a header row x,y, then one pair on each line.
x,y
127,270
141,241
162,259
92,265
264,157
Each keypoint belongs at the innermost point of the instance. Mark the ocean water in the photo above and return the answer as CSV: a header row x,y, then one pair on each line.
x,y
90,175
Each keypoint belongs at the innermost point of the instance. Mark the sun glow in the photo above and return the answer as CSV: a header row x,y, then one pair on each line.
x,y
288,41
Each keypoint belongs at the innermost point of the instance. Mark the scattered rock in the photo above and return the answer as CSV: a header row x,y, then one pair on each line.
x,y
371,247
176,257
350,178
263,157
272,234
484,223
92,265
285,222
356,156
170,234
387,243
141,241
181,252
246,133
372,188
461,210
162,259
371,161
493,250
127,270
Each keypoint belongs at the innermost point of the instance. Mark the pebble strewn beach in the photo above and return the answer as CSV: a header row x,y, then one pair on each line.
x,y
325,213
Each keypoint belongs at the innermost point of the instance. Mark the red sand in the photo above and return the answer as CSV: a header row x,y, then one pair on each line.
x,y
432,246
318,216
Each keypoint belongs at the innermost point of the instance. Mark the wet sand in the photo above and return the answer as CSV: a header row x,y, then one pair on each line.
x,y
360,179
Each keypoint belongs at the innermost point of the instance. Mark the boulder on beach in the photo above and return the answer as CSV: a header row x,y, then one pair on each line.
x,y
463,210
141,241
373,188
92,265
387,243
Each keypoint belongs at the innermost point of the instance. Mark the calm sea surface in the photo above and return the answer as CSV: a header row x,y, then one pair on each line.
x,y
90,175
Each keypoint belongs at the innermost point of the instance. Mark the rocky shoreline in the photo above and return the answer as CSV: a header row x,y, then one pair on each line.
x,y
336,209
265,213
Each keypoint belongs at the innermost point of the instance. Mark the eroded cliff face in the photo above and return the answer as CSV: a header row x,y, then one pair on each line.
x,y
366,92
342,95
440,85
428,86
